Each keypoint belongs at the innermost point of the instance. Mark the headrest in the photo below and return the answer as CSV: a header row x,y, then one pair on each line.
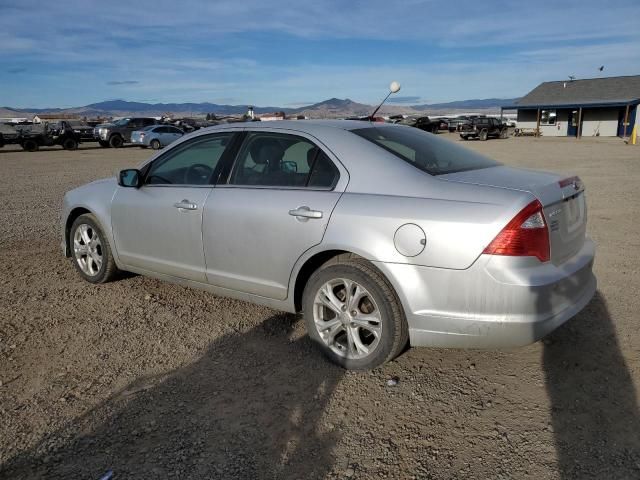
x,y
266,151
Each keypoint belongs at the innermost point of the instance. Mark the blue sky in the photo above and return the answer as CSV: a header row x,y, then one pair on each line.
x,y
290,53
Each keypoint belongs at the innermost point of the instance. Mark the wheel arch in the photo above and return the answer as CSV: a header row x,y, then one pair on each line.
x,y
73,214
315,260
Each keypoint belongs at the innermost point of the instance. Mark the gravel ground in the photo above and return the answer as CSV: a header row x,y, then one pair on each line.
x,y
154,380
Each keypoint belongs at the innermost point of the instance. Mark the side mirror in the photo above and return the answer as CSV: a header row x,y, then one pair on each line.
x,y
130,177
289,167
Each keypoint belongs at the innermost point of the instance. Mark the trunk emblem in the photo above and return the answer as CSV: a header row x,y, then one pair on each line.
x,y
555,212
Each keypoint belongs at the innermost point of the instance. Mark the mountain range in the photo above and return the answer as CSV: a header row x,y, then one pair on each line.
x,y
332,108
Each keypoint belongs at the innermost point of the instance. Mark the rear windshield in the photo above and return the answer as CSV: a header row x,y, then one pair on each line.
x,y
425,151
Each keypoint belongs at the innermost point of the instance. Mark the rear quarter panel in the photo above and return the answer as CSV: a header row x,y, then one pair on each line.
x,y
457,231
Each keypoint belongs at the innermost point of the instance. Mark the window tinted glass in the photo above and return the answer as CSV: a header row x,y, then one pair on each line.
x,y
426,152
271,159
190,164
324,173
160,129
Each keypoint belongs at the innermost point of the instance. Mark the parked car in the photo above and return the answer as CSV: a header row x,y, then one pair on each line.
x,y
84,130
455,124
423,123
116,134
443,123
380,234
484,128
156,136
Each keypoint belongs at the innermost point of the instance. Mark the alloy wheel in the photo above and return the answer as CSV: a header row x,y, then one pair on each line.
x,y
87,249
347,318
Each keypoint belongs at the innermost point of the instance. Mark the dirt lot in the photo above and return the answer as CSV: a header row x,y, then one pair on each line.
x,y
154,380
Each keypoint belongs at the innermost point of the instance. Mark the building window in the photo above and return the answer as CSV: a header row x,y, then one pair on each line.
x,y
547,117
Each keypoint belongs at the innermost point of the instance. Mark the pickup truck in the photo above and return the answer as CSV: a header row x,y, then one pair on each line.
x,y
483,128
117,133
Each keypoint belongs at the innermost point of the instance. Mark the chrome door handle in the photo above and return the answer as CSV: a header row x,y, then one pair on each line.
x,y
185,205
305,212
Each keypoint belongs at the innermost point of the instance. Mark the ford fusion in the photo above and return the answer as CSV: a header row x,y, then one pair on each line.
x,y
382,235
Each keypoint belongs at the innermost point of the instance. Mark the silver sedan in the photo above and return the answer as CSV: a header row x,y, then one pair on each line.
x,y
156,136
382,235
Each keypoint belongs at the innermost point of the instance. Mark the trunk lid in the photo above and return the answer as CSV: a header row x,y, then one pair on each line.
x,y
562,198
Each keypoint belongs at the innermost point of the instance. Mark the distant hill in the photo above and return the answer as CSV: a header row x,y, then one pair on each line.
x,y
335,107
331,108
7,112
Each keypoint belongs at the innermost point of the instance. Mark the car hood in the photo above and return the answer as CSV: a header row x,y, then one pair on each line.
x,y
543,185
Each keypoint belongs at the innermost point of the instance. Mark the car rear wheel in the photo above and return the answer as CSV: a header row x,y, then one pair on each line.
x,y
30,145
483,135
116,141
353,314
504,133
155,144
70,144
91,251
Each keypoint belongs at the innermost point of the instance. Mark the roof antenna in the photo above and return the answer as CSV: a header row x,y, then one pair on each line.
x,y
394,87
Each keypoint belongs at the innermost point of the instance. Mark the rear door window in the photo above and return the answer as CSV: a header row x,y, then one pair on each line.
x,y
282,160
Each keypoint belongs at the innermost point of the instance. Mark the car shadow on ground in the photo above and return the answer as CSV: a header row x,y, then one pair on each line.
x,y
250,407
594,408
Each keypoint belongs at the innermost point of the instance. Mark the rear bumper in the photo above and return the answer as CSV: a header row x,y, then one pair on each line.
x,y
497,302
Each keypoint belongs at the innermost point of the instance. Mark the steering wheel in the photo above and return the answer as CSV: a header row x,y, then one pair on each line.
x,y
197,174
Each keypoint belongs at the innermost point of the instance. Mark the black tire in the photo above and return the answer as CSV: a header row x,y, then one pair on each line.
x,y
70,144
116,141
108,269
30,145
504,133
104,144
394,329
155,144
464,137
483,135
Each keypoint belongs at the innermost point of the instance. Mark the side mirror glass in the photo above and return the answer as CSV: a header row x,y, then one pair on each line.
x,y
289,167
130,177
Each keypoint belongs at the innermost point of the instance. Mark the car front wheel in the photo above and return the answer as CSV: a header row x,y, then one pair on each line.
x,y
353,314
155,144
116,141
91,250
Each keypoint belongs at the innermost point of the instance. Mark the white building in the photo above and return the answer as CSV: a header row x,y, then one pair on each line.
x,y
605,107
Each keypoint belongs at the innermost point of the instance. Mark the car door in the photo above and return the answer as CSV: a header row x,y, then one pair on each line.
x,y
162,134
158,227
275,205
173,134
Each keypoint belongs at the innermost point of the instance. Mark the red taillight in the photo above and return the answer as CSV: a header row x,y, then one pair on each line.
x,y
527,235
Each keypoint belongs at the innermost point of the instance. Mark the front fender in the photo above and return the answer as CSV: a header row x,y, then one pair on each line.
x,y
96,198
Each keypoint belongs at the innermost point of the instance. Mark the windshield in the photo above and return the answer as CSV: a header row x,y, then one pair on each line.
x,y
425,151
122,122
